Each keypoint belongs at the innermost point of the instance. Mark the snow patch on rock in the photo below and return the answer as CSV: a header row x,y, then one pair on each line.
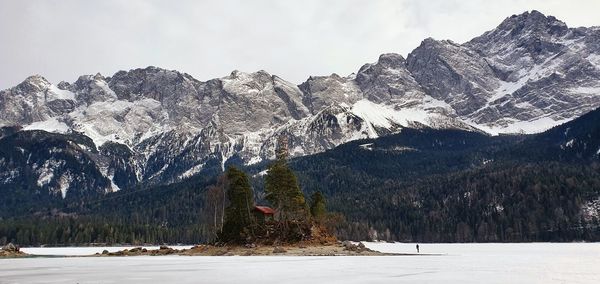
x,y
54,93
46,171
192,171
387,117
64,182
521,127
113,185
594,59
367,146
50,125
570,143
120,121
590,211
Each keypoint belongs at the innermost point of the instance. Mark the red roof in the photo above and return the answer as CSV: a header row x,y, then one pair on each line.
x,y
265,209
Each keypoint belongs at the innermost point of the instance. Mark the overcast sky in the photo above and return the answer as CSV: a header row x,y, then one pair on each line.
x,y
61,40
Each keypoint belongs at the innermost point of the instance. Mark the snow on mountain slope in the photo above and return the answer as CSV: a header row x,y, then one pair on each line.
x,y
119,121
50,125
35,99
541,64
387,117
152,125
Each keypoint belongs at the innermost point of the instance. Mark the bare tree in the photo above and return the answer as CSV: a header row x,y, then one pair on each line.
x,y
216,201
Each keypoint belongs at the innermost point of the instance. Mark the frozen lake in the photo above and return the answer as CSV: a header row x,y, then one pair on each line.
x,y
460,263
81,251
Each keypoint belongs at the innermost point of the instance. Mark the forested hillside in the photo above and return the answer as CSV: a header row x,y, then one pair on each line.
x,y
418,185
435,186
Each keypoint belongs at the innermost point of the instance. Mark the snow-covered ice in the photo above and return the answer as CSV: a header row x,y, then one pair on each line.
x,y
82,251
458,263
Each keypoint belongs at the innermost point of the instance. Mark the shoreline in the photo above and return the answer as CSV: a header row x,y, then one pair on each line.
x,y
337,249
300,249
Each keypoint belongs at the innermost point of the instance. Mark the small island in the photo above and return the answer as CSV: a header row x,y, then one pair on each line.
x,y
288,224
300,249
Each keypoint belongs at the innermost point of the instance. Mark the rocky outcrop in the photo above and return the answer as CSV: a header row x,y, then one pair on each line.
x,y
137,251
10,250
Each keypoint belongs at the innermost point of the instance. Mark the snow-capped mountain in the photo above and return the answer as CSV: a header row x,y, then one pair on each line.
x,y
157,126
530,73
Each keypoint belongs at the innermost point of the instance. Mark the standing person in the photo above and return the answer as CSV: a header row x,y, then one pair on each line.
x,y
417,248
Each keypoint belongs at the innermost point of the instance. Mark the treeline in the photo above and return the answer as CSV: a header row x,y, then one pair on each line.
x,y
164,214
85,230
503,203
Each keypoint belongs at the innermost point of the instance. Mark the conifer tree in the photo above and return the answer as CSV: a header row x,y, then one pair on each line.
x,y
282,189
238,215
318,206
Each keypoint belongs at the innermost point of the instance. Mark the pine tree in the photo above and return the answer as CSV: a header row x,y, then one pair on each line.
x,y
282,189
318,206
238,215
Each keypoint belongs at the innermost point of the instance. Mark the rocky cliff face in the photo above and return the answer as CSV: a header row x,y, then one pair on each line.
x,y
388,81
545,69
157,126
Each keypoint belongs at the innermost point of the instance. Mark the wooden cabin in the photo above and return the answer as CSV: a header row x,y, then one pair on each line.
x,y
263,213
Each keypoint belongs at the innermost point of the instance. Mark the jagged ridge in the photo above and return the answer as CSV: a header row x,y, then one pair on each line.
x,y
157,126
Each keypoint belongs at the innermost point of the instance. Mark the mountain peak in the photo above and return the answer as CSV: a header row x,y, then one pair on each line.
x,y
532,14
141,71
98,76
34,83
537,16
391,60
533,31
533,21
260,74
431,43
35,79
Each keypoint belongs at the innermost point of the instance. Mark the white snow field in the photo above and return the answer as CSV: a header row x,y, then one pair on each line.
x,y
458,263
82,251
